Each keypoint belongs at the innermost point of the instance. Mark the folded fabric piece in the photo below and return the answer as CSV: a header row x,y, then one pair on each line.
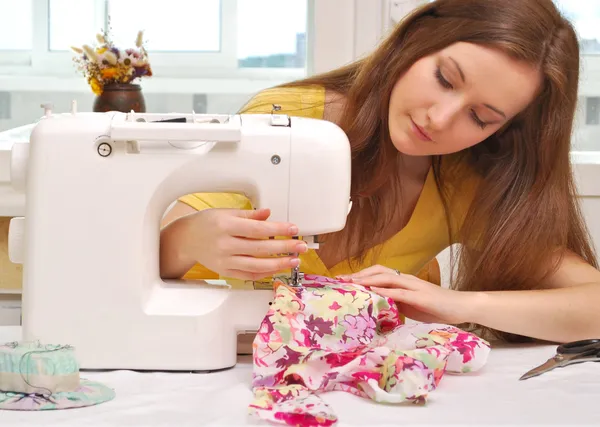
x,y
333,335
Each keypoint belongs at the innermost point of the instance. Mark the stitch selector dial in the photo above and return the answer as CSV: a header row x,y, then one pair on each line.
x,y
104,149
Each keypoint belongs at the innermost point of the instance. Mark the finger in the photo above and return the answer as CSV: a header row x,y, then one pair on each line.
x,y
256,214
253,229
263,265
402,296
267,248
395,294
388,281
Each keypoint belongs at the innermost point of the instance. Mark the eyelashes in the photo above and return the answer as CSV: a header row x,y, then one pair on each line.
x,y
447,85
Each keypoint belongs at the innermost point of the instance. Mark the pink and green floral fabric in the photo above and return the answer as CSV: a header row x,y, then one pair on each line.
x,y
333,335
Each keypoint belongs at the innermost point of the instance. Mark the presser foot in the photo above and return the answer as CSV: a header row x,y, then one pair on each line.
x,y
296,277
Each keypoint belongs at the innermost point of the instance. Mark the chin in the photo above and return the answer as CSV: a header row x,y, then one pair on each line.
x,y
409,147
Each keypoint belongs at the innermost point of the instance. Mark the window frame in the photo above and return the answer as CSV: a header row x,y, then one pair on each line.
x,y
42,62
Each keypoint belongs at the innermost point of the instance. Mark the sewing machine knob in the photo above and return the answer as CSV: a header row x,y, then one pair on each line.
x,y
16,240
104,149
47,106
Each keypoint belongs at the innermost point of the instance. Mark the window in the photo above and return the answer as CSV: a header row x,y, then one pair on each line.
x,y
185,38
15,25
64,31
188,37
197,27
16,32
592,110
585,15
197,30
266,41
207,55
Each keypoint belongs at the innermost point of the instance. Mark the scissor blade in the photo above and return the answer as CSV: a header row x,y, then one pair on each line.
x,y
549,365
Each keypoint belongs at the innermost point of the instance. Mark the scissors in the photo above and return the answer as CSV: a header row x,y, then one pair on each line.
x,y
568,354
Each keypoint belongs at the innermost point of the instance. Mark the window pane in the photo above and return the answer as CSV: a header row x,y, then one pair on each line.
x,y
272,33
16,25
65,31
585,15
174,26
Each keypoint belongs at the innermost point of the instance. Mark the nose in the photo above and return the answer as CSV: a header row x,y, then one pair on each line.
x,y
443,113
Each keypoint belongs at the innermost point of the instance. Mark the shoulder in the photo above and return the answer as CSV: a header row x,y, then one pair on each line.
x,y
303,101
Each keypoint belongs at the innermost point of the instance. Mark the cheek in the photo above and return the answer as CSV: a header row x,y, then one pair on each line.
x,y
415,89
464,135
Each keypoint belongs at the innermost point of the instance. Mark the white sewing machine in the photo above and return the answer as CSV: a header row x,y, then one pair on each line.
x,y
97,186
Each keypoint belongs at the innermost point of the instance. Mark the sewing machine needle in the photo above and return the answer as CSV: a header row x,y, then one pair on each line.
x,y
295,277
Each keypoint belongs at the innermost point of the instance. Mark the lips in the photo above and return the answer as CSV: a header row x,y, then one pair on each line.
x,y
420,132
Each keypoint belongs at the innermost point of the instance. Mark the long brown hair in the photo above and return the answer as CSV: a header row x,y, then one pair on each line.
x,y
524,212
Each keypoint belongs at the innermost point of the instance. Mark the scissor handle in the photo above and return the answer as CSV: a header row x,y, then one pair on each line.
x,y
579,346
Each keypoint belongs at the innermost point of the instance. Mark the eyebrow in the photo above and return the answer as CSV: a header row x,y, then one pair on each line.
x,y
462,76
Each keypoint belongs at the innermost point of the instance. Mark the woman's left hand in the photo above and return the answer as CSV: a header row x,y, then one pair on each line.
x,y
417,299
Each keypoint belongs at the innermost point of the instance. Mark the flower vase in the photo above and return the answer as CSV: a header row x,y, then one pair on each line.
x,y
120,97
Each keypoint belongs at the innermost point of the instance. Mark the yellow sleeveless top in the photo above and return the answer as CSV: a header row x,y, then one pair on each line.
x,y
424,236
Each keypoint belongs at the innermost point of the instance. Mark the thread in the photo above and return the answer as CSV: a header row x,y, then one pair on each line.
x,y
45,349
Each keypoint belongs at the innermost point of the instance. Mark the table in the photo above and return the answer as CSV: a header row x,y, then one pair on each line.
x,y
494,397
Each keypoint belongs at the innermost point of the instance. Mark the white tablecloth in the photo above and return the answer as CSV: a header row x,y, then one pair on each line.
x,y
494,397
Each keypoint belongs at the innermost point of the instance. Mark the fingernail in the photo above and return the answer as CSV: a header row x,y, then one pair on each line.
x,y
295,262
301,247
293,230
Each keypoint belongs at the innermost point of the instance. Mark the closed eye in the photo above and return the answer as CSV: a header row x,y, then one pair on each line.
x,y
446,84
477,120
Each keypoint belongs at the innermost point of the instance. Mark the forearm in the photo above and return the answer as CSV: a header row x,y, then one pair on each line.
x,y
558,315
175,259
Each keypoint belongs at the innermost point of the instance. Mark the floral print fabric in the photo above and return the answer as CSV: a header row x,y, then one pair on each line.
x,y
333,335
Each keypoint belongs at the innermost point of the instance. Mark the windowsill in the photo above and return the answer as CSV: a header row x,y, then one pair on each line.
x,y
585,158
174,85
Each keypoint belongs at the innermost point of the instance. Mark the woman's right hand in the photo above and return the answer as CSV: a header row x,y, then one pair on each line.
x,y
239,244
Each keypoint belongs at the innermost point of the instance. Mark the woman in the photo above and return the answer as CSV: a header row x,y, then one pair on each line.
x,y
460,126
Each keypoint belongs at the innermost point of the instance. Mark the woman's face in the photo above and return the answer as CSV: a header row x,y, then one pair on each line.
x,y
456,98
